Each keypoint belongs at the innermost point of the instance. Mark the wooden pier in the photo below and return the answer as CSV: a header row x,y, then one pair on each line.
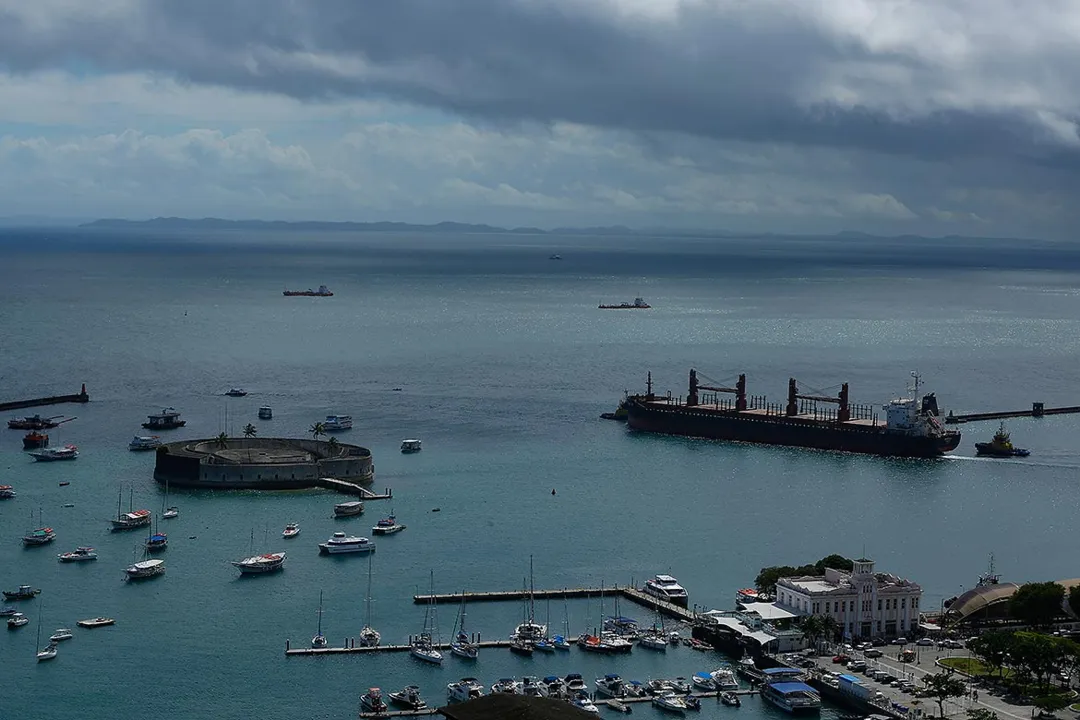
x,y
637,596
351,488
79,397
1037,410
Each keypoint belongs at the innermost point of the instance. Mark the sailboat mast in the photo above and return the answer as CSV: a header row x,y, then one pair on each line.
x,y
531,590
318,631
367,620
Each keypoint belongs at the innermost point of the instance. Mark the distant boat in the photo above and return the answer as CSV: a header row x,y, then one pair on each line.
x,y
323,291
236,392
36,422
167,419
555,257
35,439
68,452
411,445
96,622
49,652
24,592
638,304
340,543
335,423
266,413
346,509
144,443
387,526
6,492
61,634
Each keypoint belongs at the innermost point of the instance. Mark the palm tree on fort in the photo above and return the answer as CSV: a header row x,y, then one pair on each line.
x,y
333,445
249,431
222,441
317,430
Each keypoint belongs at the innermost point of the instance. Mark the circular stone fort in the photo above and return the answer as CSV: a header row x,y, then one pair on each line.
x,y
261,463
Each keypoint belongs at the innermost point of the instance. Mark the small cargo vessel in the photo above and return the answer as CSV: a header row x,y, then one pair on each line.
x,y
638,304
323,291
1000,446
167,419
35,439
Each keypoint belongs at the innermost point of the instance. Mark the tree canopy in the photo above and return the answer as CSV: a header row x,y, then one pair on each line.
x,y
1037,603
766,580
943,686
1074,600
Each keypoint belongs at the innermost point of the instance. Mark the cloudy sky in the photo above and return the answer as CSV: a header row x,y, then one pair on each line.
x,y
928,116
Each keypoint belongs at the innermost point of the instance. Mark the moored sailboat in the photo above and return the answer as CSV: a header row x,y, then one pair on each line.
x,y
462,645
319,640
369,636
424,646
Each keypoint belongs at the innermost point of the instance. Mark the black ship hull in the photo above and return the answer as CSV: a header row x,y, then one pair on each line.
x,y
673,419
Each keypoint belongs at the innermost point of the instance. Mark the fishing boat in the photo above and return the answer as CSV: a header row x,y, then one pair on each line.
x,y
24,592
291,530
35,439
369,636
68,452
372,701
337,423
95,622
409,698
17,620
80,554
668,700
411,445
61,634
424,646
143,443
1000,446
50,650
348,509
167,419
339,542
387,526
464,690
38,536
7,492
462,645
319,640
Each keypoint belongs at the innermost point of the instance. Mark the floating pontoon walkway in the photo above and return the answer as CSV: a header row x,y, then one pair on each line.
x,y
349,647
349,488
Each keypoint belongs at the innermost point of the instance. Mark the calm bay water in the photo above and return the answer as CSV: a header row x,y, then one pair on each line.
x,y
504,364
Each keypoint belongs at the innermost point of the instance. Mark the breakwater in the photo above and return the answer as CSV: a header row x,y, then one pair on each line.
x,y
1037,410
79,397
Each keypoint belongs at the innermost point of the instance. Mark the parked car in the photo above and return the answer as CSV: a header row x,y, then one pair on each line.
x,y
840,659
924,642
900,641
856,665
878,642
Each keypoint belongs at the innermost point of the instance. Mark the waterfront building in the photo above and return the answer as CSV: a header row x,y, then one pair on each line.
x,y
864,603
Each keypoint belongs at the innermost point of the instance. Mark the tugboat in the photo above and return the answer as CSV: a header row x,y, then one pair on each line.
x,y
638,304
620,413
1000,446
35,439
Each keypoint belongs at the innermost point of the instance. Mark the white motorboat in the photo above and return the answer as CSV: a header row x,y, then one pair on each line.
x,y
48,653
611,685
142,443
654,641
61,634
145,569
291,530
372,701
79,554
68,452
668,700
725,678
339,542
583,702
464,690
411,445
347,509
409,698
319,640
504,686
553,687
170,512
666,588
17,620
575,684
387,526
267,562
529,686
335,423
680,686
704,681
97,622
266,413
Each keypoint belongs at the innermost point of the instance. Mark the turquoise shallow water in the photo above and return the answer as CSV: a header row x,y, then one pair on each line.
x,y
504,364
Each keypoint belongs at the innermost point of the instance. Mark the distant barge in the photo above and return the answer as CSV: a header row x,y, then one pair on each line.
x,y
638,304
323,291
911,428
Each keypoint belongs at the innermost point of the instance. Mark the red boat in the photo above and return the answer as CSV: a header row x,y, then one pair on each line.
x,y
34,440
36,422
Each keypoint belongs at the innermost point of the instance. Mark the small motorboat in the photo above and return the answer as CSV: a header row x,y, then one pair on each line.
x,y
48,653
619,706
704,681
96,622
635,689
17,620
79,554
730,699
142,443
464,690
411,445
575,684
170,512
387,526
60,635
24,592
668,700
236,392
504,686
291,530
692,702
7,492
156,542
611,685
408,697
348,509
529,686
372,701
552,686
584,702
1000,446
680,686
8,611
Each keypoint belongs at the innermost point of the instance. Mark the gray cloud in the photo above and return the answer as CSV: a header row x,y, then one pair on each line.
x,y
921,82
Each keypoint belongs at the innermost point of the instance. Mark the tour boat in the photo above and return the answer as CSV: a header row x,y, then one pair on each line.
x,y
266,413
7,492
372,701
666,588
96,622
17,620
145,569
167,419
339,542
792,697
611,685
348,509
236,392
39,536
268,562
156,542
79,554
410,446
131,520
291,530
668,700
144,442
409,698
61,634
334,423
464,690
387,526
68,452
25,592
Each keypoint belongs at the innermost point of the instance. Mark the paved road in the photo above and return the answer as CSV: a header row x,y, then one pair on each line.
x,y
924,664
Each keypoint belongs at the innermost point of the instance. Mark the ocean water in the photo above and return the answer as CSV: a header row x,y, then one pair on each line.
x,y
504,364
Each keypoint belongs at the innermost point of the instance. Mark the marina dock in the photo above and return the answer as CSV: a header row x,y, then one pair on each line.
x,y
1037,410
350,648
636,596
349,488
79,397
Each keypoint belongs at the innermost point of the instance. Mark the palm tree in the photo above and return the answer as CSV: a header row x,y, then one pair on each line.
x,y
813,627
317,430
249,431
222,441
830,628
333,445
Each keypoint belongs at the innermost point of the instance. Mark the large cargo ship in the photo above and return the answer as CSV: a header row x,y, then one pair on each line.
x,y
911,426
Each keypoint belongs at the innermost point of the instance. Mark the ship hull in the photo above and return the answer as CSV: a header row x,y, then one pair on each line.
x,y
804,433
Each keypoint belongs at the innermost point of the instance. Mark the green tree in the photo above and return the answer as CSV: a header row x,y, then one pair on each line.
x,y
993,648
1039,656
836,562
222,440
943,686
813,628
765,582
317,430
249,431
1074,600
333,445
1051,702
1037,603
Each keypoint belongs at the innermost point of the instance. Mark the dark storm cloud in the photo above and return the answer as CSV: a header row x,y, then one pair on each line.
x,y
739,71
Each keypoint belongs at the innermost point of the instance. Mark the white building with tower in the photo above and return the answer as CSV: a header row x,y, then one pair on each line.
x,y
865,604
